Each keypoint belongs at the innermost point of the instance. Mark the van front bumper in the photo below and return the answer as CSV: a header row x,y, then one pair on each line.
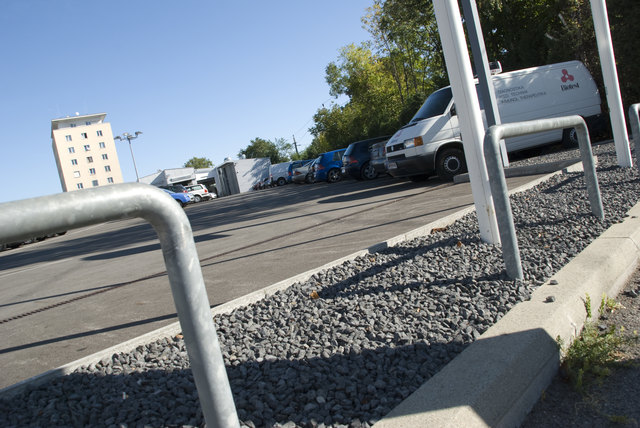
x,y
401,166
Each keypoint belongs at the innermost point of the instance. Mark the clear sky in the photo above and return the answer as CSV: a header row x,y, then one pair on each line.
x,y
197,77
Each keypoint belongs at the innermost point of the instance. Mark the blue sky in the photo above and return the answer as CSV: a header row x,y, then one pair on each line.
x,y
198,78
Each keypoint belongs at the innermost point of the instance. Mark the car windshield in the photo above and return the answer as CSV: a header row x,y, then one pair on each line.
x,y
435,105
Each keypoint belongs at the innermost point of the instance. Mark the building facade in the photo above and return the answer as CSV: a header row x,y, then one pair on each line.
x,y
85,152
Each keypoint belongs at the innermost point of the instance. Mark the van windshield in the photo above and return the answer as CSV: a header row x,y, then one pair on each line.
x,y
435,105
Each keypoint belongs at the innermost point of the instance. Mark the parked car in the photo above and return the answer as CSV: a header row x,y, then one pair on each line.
x,y
280,173
200,193
328,166
177,188
378,157
297,164
182,198
356,161
303,173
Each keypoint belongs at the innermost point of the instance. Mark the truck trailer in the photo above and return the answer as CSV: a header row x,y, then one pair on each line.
x,y
239,176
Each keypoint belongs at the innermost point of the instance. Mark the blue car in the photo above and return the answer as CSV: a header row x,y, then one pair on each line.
x,y
182,198
328,166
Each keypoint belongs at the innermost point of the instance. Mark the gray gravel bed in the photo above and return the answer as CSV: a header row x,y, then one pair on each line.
x,y
346,346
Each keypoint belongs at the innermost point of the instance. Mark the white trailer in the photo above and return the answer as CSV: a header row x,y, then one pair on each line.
x,y
431,141
239,176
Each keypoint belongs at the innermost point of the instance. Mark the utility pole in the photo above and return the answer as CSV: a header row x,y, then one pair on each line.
x,y
295,145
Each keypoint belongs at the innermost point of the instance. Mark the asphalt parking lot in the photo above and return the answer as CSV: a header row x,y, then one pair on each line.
x,y
71,296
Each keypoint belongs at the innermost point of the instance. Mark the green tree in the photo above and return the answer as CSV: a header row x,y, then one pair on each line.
x,y
196,162
277,151
405,35
519,33
387,78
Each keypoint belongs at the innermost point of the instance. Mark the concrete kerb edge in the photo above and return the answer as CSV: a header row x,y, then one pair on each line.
x,y
502,375
174,328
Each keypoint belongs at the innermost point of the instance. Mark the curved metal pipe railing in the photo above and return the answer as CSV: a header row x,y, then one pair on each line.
x,y
21,220
499,191
634,121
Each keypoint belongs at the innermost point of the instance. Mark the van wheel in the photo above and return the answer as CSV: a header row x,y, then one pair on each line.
x,y
449,163
333,175
570,138
282,181
368,172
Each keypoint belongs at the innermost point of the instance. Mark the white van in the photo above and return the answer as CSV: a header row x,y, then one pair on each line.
x,y
431,142
280,173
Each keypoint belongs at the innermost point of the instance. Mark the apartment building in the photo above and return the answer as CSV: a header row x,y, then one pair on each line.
x,y
85,152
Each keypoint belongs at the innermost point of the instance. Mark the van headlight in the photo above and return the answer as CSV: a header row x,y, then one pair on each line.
x,y
412,142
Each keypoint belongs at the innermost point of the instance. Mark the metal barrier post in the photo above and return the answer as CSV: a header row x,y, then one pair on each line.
x,y
510,251
49,214
634,120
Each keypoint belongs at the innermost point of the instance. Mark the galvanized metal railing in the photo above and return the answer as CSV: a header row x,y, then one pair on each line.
x,y
504,216
634,121
21,220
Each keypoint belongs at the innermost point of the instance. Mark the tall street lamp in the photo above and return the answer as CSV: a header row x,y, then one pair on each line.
x,y
129,137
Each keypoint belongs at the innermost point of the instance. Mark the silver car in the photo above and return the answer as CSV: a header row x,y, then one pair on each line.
x,y
200,193
303,174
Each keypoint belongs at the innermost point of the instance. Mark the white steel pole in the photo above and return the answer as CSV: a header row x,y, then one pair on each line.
x,y
468,110
611,85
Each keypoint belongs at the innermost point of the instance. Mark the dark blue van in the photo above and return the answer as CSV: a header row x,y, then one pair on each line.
x,y
356,160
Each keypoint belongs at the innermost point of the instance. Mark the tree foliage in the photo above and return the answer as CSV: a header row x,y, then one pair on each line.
x,y
277,151
386,79
196,162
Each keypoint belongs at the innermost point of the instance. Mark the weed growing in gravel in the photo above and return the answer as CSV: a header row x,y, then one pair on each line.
x,y
596,350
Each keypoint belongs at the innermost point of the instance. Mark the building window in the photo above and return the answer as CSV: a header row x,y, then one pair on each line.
x,y
101,145
72,125
76,174
90,159
74,161
84,135
80,186
99,133
72,150
110,180
105,157
92,171
87,148
95,183
67,137
87,123
107,168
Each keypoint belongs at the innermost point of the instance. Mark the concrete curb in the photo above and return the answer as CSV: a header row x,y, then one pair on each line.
x,y
174,328
498,379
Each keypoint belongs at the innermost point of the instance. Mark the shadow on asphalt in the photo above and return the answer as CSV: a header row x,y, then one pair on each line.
x,y
240,208
88,333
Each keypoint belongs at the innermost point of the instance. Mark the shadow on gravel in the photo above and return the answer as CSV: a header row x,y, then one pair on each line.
x,y
358,385
337,390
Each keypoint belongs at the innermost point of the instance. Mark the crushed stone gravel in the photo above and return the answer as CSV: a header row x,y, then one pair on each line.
x,y
346,346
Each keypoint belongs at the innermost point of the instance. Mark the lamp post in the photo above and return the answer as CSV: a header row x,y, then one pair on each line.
x,y
129,137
